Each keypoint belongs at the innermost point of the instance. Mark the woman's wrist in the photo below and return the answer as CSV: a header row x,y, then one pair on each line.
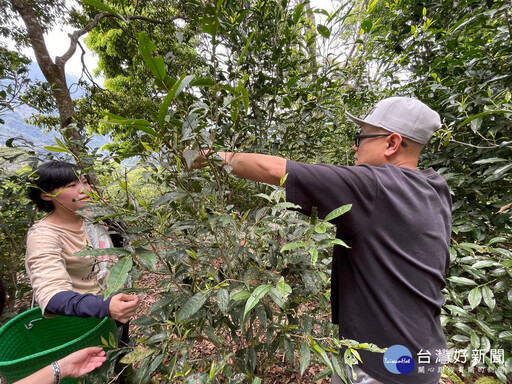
x,y
57,374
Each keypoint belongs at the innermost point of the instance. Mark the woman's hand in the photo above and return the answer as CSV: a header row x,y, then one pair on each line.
x,y
122,307
81,362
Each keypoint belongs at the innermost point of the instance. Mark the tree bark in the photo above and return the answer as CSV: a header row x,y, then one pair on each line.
x,y
53,72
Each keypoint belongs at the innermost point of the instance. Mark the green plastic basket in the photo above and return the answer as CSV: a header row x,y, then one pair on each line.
x,y
29,341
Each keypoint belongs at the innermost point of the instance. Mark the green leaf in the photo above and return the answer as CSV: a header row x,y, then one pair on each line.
x,y
480,115
475,297
223,300
139,124
338,212
148,130
336,365
283,288
498,173
320,353
314,255
212,335
505,335
487,330
286,204
137,355
321,227
488,297
288,350
56,149
461,280
173,93
118,275
210,22
460,338
277,297
485,344
104,8
466,329
336,242
202,82
104,251
158,338
491,160
193,305
475,340
155,362
483,264
366,25
180,85
323,31
457,310
245,99
155,64
247,45
255,297
148,260
235,109
304,357
289,246
241,295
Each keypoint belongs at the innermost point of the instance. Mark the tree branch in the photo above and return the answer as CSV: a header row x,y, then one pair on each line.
x,y
75,36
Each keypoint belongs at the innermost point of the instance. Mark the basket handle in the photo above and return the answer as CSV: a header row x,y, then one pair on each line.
x,y
30,325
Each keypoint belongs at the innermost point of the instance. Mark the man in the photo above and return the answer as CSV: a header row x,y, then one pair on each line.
x,y
386,288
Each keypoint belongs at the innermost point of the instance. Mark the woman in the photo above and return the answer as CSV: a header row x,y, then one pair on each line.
x,y
64,283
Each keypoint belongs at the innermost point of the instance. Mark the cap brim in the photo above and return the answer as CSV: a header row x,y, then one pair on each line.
x,y
356,120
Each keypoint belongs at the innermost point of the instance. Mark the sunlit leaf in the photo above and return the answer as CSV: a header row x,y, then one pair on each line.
x,y
103,7
475,297
255,297
338,212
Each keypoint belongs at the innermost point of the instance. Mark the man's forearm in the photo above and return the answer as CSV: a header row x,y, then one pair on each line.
x,y
253,166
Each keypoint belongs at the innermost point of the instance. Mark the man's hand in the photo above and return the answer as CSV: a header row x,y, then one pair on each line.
x,y
199,157
122,307
251,166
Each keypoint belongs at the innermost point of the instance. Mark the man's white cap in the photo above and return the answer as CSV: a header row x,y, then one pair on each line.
x,y
404,115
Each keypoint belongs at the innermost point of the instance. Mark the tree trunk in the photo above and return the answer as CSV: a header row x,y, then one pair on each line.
x,y
53,72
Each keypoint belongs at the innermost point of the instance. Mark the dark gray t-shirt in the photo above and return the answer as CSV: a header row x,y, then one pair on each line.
x,y
386,288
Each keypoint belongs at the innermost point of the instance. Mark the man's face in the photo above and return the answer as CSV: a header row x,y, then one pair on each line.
x,y
371,149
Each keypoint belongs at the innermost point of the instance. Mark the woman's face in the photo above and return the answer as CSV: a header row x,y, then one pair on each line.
x,y
71,196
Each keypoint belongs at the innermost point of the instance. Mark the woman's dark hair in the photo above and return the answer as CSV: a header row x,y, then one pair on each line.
x,y
49,176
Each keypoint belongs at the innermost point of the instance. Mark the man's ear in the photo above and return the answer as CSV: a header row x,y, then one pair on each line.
x,y
393,144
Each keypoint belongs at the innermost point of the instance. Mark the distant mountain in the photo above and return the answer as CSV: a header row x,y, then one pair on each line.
x,y
15,125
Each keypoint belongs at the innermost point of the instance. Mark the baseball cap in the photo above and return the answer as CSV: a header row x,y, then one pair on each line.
x,y
404,115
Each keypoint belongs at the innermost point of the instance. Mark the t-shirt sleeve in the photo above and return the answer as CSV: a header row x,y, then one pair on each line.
x,y
328,187
46,266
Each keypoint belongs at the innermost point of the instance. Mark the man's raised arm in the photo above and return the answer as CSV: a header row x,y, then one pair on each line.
x,y
252,166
